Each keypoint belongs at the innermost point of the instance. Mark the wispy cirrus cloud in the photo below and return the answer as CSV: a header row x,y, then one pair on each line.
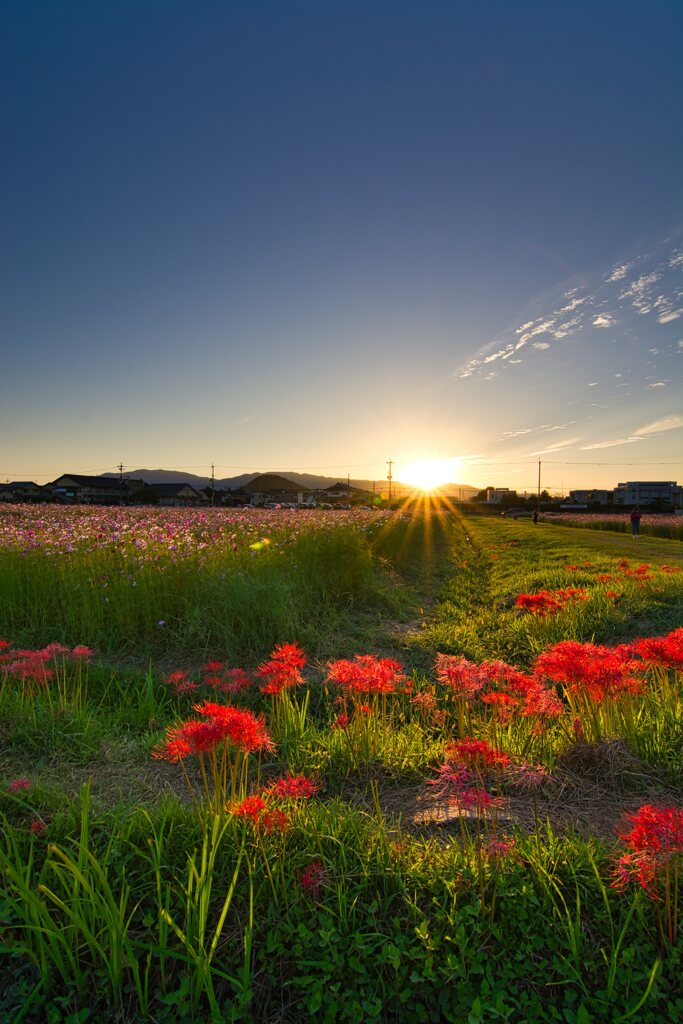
x,y
672,422
619,272
610,444
560,446
543,428
591,317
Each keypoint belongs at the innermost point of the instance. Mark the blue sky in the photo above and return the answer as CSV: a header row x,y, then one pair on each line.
x,y
317,236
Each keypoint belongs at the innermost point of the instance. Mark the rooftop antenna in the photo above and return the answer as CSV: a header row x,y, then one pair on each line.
x,y
389,477
213,481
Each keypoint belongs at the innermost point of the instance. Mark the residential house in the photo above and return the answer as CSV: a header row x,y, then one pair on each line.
x,y
172,495
23,490
99,490
345,494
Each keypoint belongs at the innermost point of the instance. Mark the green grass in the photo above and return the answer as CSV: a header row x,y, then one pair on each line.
x,y
126,901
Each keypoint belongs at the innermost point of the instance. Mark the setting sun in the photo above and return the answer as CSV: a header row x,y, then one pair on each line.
x,y
428,474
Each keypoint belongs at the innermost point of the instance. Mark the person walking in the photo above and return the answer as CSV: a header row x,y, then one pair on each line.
x,y
635,522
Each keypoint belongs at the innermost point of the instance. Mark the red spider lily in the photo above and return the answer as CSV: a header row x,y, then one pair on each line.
x,y
655,844
425,701
656,830
542,703
236,679
543,603
213,666
4,644
180,682
251,807
19,785
547,602
591,669
476,753
30,667
294,787
461,676
54,650
491,672
342,721
670,570
479,799
450,778
275,820
496,849
82,652
666,651
503,704
37,827
638,867
367,674
282,670
312,878
243,729
237,726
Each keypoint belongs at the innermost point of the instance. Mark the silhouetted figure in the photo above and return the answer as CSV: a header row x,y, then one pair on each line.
x,y
635,521
535,516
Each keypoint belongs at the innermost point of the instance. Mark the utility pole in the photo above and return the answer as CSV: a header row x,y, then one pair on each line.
x,y
120,469
213,480
389,477
538,495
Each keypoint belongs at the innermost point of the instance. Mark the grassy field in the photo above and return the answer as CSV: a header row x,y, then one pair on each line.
x,y
275,767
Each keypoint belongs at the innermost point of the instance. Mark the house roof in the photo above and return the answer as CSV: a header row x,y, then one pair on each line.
x,y
102,482
268,482
345,488
19,483
170,490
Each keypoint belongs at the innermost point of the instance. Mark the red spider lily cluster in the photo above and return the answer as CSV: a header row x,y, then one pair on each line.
x,y
367,675
550,602
214,675
262,816
463,678
652,859
293,787
477,754
664,651
283,670
220,724
262,809
19,785
38,666
592,669
463,788
505,690
312,878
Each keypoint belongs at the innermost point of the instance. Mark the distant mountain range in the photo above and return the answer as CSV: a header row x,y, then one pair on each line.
x,y
307,481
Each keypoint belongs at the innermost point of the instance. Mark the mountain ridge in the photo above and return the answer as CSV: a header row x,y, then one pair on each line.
x,y
307,481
